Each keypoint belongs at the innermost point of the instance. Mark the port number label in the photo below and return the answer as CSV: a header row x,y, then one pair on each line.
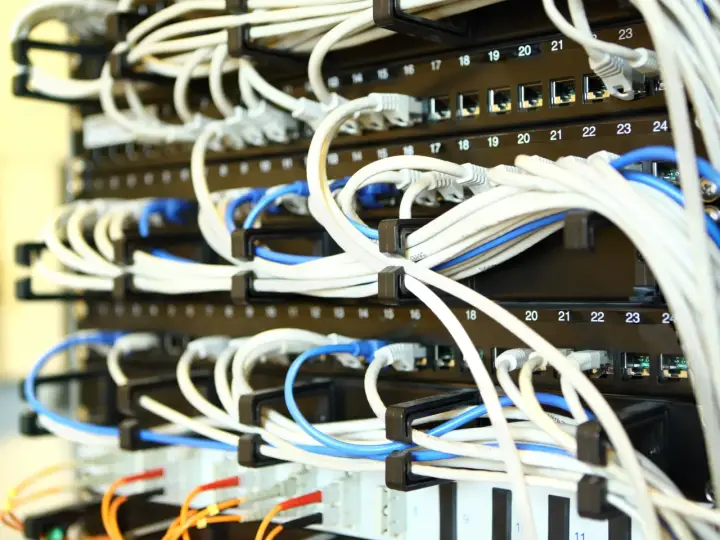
x,y
589,131
493,141
389,314
667,318
357,78
624,129
471,315
531,315
632,317
625,33
382,153
464,145
357,155
409,69
556,135
556,45
464,60
435,147
363,313
524,50
563,316
383,74
415,314
659,126
597,317
435,65
523,138
494,55
408,150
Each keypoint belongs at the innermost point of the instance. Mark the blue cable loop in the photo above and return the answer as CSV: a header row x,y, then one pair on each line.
x,y
101,338
236,203
374,450
673,193
296,188
172,210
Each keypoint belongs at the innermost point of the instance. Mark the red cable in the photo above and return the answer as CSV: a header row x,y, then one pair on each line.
x,y
302,500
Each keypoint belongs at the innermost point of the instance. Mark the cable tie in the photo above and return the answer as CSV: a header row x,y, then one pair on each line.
x,y
201,524
213,510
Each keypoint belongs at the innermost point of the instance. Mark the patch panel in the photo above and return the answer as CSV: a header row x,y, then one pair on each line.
x,y
459,97
257,168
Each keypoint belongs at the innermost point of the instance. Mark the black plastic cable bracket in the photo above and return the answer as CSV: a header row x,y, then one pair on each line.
x,y
29,426
129,394
251,405
646,425
393,233
249,454
389,15
399,417
240,45
399,476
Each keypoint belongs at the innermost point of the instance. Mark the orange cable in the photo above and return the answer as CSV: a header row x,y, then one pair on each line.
x,y
232,481
274,533
113,514
210,511
295,502
108,496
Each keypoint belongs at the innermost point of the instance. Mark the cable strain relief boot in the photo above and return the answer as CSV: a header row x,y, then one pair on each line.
x,y
209,346
349,126
277,125
309,111
647,62
621,80
400,110
514,358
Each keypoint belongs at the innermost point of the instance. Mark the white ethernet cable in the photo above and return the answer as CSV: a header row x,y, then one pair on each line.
x,y
331,217
84,17
622,69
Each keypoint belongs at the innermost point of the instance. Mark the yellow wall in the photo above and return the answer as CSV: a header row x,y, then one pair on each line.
x,y
33,143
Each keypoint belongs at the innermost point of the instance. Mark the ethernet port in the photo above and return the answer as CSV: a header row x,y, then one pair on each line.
x,y
635,366
673,367
594,90
562,92
667,171
444,357
499,100
439,109
530,96
468,104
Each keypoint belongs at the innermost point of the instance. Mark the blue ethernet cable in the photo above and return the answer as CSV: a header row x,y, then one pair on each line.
x,y
527,228
101,338
173,210
234,205
345,449
673,193
664,153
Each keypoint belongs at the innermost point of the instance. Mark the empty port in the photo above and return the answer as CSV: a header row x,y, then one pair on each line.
x,y
562,92
439,108
444,357
530,96
673,367
635,366
594,90
468,104
667,171
499,100
175,344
